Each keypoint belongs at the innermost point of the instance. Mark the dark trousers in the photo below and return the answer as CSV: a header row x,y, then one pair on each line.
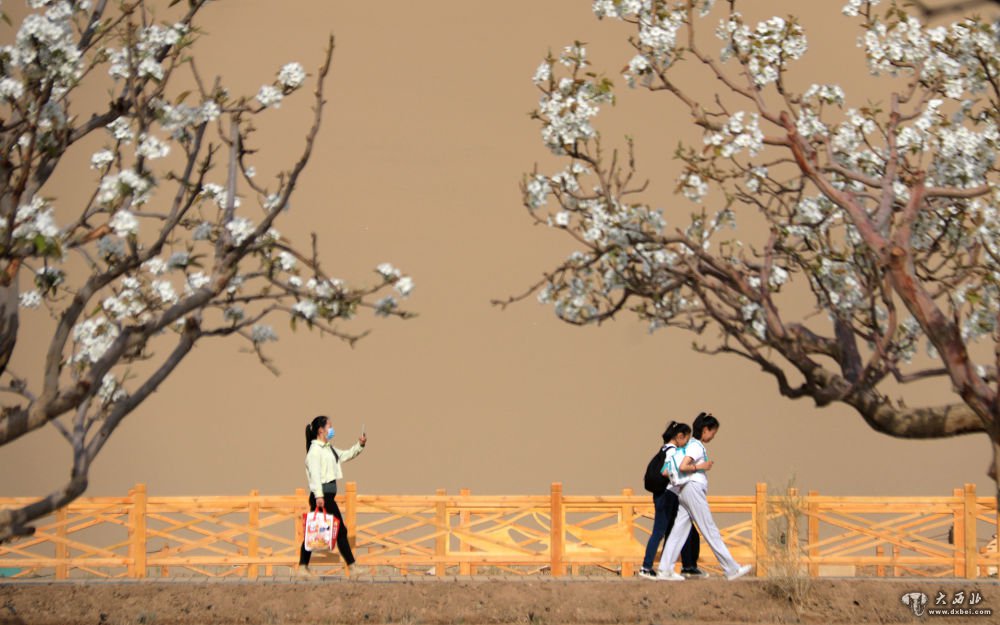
x,y
343,545
664,511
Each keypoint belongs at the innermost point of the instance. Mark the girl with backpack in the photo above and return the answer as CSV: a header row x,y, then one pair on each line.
x,y
692,462
665,505
322,471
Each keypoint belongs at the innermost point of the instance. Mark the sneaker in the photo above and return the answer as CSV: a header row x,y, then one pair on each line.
x,y
694,573
740,572
647,573
668,576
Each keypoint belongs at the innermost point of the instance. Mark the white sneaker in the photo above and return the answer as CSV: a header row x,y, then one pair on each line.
x,y
740,572
668,576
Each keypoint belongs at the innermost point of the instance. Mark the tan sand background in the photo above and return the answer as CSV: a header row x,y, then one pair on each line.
x,y
418,163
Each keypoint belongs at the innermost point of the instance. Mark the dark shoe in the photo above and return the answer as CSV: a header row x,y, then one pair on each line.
x,y
694,573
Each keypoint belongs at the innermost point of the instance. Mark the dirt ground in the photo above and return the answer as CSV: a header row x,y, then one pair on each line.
x,y
468,601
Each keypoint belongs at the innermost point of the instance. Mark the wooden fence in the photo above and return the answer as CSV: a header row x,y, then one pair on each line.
x,y
249,536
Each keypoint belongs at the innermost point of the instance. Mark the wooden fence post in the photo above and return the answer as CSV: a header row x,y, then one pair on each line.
x,y
556,531
628,519
441,542
62,551
139,531
880,567
252,539
792,530
813,538
351,513
958,532
301,506
465,518
971,552
760,529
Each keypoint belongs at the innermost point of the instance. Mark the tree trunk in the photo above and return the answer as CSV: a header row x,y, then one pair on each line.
x,y
8,319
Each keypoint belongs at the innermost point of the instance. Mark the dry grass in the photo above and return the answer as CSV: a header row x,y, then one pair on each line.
x,y
787,568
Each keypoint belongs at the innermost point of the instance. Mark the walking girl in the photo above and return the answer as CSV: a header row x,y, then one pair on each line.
x,y
323,470
665,506
694,505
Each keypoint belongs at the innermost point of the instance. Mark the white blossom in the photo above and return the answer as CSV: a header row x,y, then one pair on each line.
x,y
291,76
269,96
93,337
240,228
124,223
305,308
385,306
11,89
404,285
30,299
262,333
388,272
152,148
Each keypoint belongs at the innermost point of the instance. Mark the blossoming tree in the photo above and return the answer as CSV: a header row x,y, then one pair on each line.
x,y
175,243
882,216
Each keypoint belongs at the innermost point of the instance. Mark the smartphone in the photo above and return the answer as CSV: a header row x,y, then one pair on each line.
x,y
362,429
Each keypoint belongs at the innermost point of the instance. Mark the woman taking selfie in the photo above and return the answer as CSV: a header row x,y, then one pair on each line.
x,y
323,470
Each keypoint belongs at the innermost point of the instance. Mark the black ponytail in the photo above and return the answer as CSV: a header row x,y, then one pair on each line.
x,y
702,421
673,429
312,429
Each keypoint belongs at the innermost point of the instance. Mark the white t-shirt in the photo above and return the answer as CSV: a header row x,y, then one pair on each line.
x,y
697,452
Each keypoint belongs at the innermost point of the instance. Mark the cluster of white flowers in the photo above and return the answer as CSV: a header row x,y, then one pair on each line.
x,y
737,134
853,8
537,191
124,223
121,130
152,148
92,338
753,317
152,41
179,119
755,177
693,186
240,228
124,185
101,159
305,308
110,391
45,46
568,107
824,94
128,303
269,96
385,306
32,220
11,89
291,76
30,299
839,285
218,194
195,281
262,333
765,50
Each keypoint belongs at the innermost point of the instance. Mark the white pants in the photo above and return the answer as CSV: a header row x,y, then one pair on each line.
x,y
694,504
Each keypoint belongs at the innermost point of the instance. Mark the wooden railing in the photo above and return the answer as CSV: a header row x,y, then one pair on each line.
x,y
248,536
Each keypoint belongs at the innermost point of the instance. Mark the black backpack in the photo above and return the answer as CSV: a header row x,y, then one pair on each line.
x,y
654,481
